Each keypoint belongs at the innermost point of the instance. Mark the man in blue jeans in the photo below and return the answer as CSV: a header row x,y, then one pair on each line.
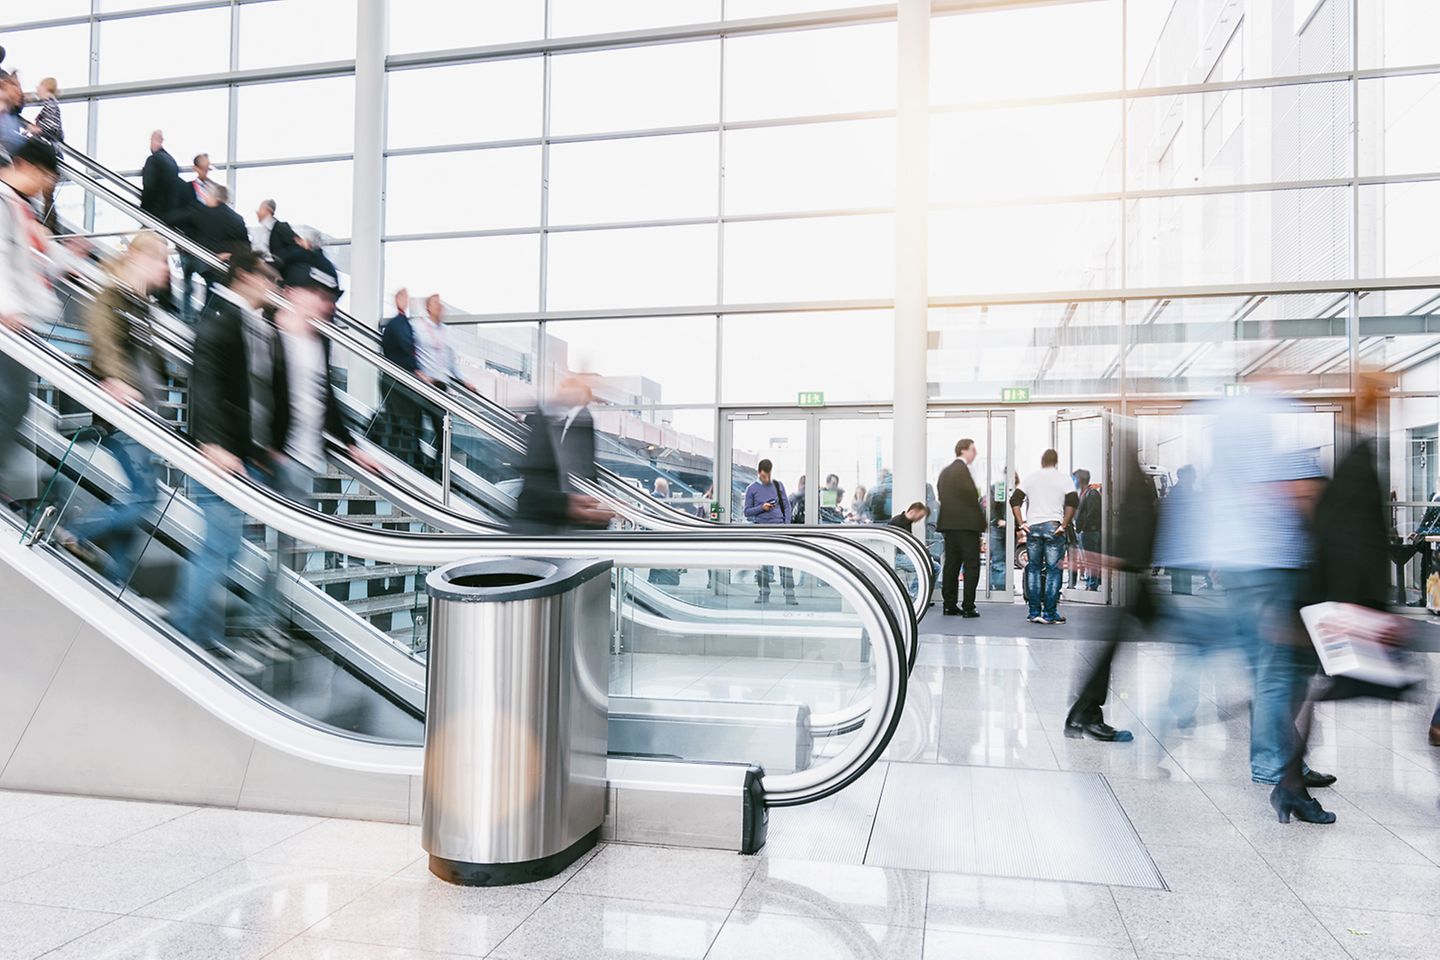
x,y
766,502
1050,500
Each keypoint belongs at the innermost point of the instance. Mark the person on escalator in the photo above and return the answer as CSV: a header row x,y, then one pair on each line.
x,y
230,406
560,449
124,359
26,298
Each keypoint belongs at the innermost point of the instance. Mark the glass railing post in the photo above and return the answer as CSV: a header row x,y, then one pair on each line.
x,y
446,443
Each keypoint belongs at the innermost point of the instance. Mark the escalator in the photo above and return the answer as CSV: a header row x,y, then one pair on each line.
x,y
475,489
695,711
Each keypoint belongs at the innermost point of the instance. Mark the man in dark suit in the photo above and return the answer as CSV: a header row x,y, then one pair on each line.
x,y
402,411
561,447
161,192
961,521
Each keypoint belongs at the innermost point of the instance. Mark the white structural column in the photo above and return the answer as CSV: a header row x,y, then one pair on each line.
x,y
912,170
368,216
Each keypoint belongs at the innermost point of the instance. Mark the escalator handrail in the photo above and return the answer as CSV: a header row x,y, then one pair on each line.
x,y
627,549
483,413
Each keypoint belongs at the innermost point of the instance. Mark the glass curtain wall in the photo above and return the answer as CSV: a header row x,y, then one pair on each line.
x,y
1129,199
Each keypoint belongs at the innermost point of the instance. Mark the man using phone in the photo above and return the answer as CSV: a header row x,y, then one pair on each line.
x,y
766,502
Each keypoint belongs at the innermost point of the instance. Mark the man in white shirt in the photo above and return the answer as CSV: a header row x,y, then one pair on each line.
x,y
1050,502
264,227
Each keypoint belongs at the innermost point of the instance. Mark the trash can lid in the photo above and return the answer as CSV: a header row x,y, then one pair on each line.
x,y
510,579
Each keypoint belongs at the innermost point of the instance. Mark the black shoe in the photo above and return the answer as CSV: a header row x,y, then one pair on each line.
x,y
1097,730
1056,619
951,611
1316,779
970,614
1304,808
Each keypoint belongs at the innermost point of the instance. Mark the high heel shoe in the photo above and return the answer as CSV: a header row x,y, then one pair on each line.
x,y
1287,803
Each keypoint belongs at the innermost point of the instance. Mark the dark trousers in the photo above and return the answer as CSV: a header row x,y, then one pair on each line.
x,y
1090,702
962,552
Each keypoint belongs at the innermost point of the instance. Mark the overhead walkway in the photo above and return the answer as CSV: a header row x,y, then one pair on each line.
x,y
715,714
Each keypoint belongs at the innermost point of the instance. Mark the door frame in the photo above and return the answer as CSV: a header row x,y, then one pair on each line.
x,y
991,413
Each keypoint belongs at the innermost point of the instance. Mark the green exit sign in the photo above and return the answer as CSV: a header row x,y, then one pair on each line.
x,y
1014,394
812,398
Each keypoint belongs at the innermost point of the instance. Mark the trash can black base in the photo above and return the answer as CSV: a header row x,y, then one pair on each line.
x,y
505,874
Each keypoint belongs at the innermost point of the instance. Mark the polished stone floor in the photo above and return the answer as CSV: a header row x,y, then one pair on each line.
x,y
93,879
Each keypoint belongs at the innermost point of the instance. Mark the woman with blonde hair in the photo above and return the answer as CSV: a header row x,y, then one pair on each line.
x,y
48,126
124,359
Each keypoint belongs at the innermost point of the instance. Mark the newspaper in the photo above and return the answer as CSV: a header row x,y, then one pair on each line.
x,y
1350,641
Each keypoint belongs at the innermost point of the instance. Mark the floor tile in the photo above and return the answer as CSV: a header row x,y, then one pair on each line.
x,y
138,938
867,894
1031,909
1367,885
349,845
440,917
1218,872
314,948
1224,928
748,935
700,878
573,927
1392,809
263,896
215,832
954,945
28,930
17,804
21,857
1382,935
110,879
91,822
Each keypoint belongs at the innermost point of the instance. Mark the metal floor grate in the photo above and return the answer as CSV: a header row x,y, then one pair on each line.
x,y
990,821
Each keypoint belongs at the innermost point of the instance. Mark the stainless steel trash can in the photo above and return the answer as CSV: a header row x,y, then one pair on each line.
x,y
516,711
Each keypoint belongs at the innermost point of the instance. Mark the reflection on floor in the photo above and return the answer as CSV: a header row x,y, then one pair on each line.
x,y
88,879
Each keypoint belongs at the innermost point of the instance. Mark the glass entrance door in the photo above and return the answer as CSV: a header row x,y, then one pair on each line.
x,y
993,432
1082,439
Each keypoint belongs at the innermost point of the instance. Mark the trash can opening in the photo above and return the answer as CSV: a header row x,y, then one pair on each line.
x,y
493,580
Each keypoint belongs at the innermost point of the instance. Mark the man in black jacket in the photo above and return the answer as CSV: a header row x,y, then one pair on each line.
x,y
401,435
161,194
561,446
960,523
229,409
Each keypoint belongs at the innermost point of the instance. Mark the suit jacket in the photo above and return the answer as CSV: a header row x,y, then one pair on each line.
x,y
218,229
220,380
397,342
959,499
1352,535
161,189
544,502
280,418
282,243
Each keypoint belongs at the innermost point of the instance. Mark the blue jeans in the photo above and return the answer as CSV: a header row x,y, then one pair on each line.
x,y
1044,545
1262,606
1090,546
201,617
118,524
997,558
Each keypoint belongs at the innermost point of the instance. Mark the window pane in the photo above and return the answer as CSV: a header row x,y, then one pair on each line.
x,y
819,166
475,190
420,25
74,117
476,275
108,6
648,267
1064,48
504,101
1060,246
50,10
768,357
611,90
1399,125
59,52
499,359
839,70
746,9
1059,349
297,31
173,45
1260,237
1398,33
830,258
1399,239
678,445
647,178
194,121
1195,42
1263,135
296,119
646,360
316,194
995,154
569,18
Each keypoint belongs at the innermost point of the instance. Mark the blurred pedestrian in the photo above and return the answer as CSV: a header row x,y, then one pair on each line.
x,y
48,126
124,359
559,451
1050,504
1089,527
662,577
12,128
1133,544
766,502
960,523
26,299
191,218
